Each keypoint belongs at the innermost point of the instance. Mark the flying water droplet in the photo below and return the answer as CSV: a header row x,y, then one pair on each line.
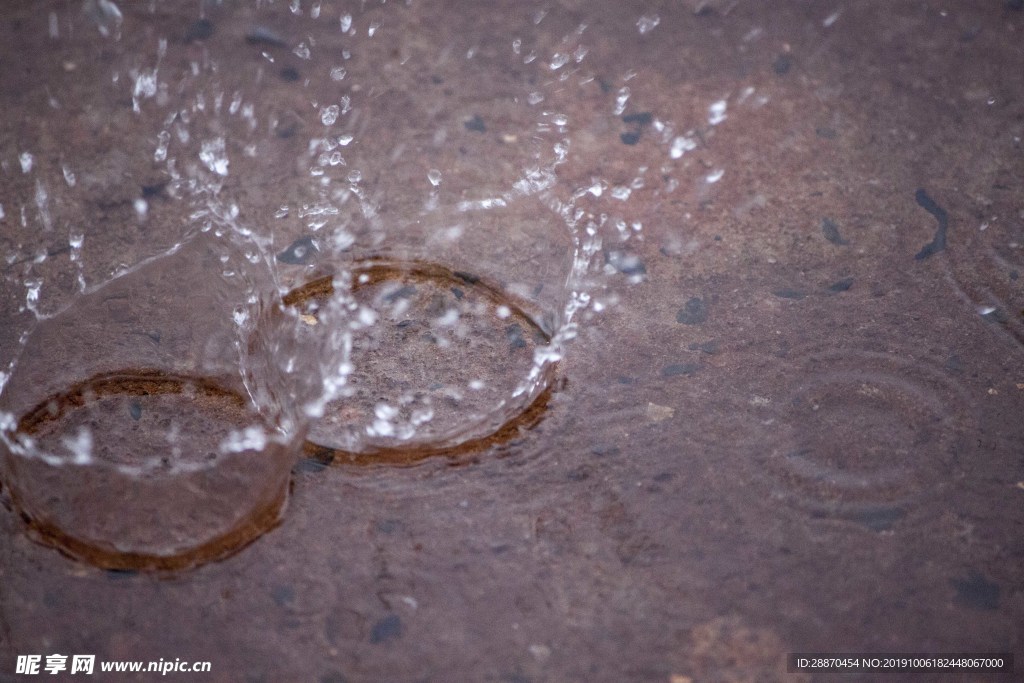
x,y
681,145
328,115
716,112
558,60
214,155
647,23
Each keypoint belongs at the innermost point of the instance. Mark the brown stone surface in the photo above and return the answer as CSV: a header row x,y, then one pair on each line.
x,y
795,426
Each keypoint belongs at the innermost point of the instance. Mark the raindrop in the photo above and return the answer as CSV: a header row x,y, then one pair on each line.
x,y
105,14
620,100
558,60
646,23
214,156
716,112
328,115
680,146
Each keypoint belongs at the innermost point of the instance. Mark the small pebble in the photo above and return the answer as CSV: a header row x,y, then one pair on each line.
x,y
300,252
388,628
679,370
782,65
977,592
831,231
200,29
842,285
643,118
260,35
694,312
476,124
789,293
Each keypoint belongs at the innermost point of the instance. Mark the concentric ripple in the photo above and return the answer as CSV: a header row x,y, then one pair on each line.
x,y
99,495
866,436
441,370
986,266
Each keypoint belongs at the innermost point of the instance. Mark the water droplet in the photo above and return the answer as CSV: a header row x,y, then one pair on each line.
x,y
716,112
214,155
558,60
328,115
620,100
681,145
646,23
434,176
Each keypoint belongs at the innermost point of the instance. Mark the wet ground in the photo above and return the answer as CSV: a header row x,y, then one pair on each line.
x,y
791,418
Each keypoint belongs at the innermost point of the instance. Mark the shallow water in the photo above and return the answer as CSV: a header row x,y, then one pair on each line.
x,y
790,416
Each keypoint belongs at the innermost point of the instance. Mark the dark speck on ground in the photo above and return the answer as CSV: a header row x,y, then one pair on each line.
x,y
387,629
694,312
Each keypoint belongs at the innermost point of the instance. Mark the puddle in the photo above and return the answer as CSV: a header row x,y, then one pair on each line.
x,y
444,368
866,436
100,496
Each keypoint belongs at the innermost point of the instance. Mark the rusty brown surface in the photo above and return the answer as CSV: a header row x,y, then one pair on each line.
x,y
795,427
